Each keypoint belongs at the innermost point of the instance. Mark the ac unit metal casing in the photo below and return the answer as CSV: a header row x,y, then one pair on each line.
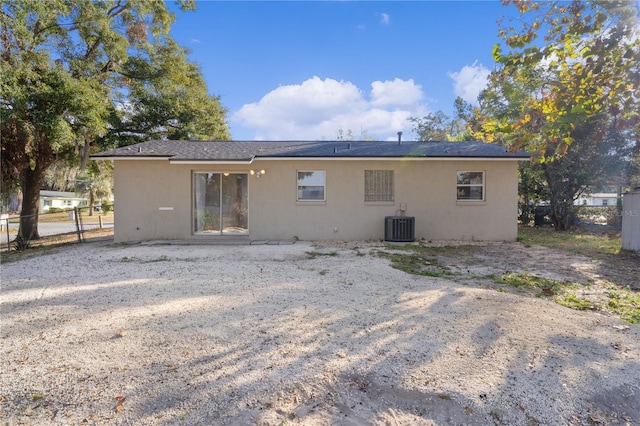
x,y
399,229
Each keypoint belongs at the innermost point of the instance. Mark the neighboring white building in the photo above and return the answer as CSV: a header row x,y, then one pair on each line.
x,y
598,199
61,200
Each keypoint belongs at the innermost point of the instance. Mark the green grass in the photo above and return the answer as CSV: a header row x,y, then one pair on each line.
x,y
624,303
618,266
163,258
596,245
418,260
528,281
572,301
620,301
314,254
46,244
421,260
64,217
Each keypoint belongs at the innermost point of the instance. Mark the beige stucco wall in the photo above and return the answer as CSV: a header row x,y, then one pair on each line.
x,y
154,200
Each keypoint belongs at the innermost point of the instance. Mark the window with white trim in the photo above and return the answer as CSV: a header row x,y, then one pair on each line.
x,y
470,186
311,185
378,185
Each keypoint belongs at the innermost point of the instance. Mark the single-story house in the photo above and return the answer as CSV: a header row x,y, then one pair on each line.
x,y
61,200
315,190
600,199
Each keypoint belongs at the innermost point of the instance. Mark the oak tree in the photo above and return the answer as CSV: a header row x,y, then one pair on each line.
x,y
72,71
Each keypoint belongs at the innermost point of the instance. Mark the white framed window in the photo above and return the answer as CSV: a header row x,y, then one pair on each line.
x,y
378,185
470,186
311,185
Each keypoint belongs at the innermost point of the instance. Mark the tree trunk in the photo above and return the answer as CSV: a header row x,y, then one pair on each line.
x,y
561,215
86,150
84,160
92,200
618,218
31,184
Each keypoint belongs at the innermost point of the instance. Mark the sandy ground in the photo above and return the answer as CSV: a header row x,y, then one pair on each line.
x,y
328,334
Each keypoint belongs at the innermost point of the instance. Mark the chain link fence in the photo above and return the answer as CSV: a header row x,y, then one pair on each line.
x,y
56,226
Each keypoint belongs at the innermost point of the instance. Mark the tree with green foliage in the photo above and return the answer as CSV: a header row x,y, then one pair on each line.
x,y
341,135
82,75
439,126
167,100
567,90
431,127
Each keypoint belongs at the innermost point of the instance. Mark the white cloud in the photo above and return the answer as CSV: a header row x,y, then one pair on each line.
x,y
396,92
318,109
385,18
469,81
195,41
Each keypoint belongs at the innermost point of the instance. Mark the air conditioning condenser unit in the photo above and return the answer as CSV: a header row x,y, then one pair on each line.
x,y
399,229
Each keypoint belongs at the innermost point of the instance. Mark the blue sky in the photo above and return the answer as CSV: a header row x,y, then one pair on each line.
x,y
305,70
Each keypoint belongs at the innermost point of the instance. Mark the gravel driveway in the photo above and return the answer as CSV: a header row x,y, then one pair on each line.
x,y
147,334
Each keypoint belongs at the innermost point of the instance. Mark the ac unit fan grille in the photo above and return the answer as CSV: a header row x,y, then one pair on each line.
x,y
400,229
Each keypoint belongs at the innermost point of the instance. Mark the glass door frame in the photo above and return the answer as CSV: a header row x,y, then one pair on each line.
x,y
222,212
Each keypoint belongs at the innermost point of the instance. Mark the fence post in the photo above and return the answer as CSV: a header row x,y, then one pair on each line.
x,y
8,240
100,221
76,210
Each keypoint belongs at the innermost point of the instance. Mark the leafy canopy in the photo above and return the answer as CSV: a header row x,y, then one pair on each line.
x,y
77,75
566,88
565,64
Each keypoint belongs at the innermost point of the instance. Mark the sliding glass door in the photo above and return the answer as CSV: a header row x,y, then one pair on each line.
x,y
220,203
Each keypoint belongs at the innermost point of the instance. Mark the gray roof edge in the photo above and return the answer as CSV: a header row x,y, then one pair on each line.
x,y
234,151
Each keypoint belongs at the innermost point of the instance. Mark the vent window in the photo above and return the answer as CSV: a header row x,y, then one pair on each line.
x,y
378,185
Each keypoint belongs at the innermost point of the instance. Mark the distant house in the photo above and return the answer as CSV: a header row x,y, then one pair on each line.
x,y
601,199
61,200
314,190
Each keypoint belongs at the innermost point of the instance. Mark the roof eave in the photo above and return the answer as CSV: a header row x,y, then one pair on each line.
x,y
173,160
130,157
202,161
391,158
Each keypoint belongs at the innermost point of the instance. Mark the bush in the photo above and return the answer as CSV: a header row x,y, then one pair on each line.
x,y
55,210
598,214
526,212
107,207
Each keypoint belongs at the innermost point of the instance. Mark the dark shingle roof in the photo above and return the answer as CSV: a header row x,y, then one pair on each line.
x,y
249,150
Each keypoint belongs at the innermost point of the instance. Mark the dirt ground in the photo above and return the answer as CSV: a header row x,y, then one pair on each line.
x,y
316,334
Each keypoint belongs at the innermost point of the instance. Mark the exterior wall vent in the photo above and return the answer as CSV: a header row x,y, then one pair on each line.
x,y
399,229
